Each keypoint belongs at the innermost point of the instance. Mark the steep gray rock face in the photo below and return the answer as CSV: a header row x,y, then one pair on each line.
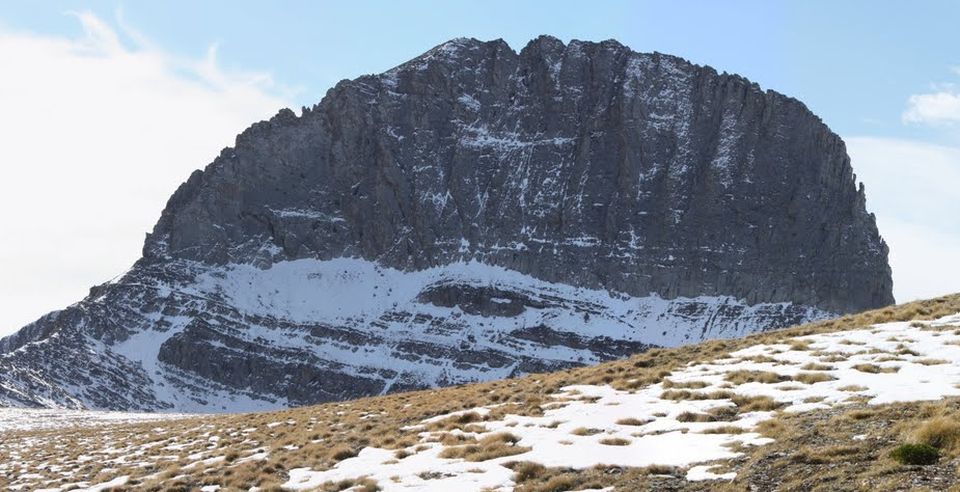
x,y
492,213
586,164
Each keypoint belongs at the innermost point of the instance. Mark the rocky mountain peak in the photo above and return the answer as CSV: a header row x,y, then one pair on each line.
x,y
476,212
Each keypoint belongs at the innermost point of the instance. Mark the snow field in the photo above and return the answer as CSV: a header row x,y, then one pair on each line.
x,y
891,362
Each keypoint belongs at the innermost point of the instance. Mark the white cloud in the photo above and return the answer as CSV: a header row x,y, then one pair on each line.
x,y
939,107
96,136
935,108
913,189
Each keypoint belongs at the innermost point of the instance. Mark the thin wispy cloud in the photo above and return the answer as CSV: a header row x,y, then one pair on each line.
x,y
103,126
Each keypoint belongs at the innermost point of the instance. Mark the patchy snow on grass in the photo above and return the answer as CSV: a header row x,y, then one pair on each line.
x,y
592,425
42,419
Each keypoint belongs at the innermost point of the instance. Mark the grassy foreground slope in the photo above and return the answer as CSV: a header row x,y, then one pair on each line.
x,y
813,406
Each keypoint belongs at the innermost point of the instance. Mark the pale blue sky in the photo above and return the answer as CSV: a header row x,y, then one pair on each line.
x,y
884,75
852,62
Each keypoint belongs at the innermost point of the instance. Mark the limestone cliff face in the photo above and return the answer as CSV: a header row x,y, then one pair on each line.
x,y
490,212
586,164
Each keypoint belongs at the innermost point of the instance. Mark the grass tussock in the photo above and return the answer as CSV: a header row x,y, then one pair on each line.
x,y
875,369
668,383
827,454
633,421
340,453
490,447
679,395
724,429
813,377
362,484
757,403
768,377
930,362
615,441
853,388
695,417
585,431
859,414
941,432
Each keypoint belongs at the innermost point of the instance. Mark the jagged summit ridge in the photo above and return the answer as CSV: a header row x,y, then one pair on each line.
x,y
401,167
494,212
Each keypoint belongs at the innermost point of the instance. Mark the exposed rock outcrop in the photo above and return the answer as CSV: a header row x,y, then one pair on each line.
x,y
473,213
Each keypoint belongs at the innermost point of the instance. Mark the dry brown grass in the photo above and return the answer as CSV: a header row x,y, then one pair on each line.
x,y
695,395
695,417
342,425
585,431
930,362
362,484
667,383
525,471
942,432
633,421
615,441
490,447
859,414
724,429
800,345
813,377
742,376
875,369
853,388
755,403
827,454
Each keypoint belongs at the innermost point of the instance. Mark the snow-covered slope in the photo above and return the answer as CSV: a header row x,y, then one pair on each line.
x,y
308,327
693,423
892,362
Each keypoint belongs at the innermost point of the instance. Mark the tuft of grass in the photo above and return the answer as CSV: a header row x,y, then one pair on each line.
x,y
904,350
755,403
525,471
942,433
615,441
585,431
556,483
742,376
859,414
661,470
632,421
724,429
813,377
771,428
915,454
853,387
875,369
695,417
363,484
490,447
833,358
695,395
827,454
667,383
813,366
799,345
341,453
